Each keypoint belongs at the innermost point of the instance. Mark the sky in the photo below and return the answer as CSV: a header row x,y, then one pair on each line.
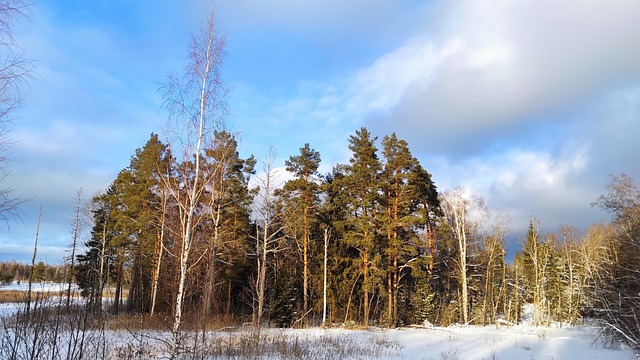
x,y
530,104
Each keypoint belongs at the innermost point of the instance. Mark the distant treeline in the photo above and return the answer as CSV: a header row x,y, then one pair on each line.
x,y
12,271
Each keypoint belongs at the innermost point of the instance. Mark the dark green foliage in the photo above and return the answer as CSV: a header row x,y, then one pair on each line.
x,y
299,203
282,300
12,271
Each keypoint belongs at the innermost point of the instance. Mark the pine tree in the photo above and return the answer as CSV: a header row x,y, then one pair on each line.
x,y
400,179
139,186
99,256
300,202
227,200
362,187
342,271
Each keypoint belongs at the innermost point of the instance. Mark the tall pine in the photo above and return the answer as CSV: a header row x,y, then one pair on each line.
x,y
300,197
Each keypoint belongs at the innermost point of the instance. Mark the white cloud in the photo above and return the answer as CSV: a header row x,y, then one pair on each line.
x,y
517,100
499,64
522,182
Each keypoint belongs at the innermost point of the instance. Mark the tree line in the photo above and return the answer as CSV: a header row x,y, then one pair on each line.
x,y
396,251
12,271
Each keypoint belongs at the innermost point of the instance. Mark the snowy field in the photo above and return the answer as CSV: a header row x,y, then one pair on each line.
x,y
516,342
37,287
452,343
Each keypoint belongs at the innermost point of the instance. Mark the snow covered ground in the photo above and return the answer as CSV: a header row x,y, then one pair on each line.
x,y
37,287
451,343
515,342
425,343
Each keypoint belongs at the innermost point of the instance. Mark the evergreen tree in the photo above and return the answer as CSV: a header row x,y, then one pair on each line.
x,y
362,190
137,217
300,197
96,265
401,180
342,270
228,200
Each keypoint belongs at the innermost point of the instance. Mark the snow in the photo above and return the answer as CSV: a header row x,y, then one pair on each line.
x,y
37,286
452,343
427,342
515,342
482,342
8,309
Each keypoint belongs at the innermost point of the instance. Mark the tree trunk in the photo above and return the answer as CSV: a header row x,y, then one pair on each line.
x,y
33,264
324,287
102,279
76,234
365,285
155,276
212,266
305,261
117,299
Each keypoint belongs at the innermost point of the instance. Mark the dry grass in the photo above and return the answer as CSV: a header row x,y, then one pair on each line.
x,y
52,329
15,296
286,345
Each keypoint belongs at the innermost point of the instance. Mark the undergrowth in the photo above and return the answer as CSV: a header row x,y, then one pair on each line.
x,y
53,331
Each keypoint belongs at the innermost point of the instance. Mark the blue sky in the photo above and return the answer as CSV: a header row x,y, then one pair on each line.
x,y
530,104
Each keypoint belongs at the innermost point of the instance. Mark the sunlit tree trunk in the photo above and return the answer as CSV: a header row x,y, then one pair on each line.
x,y
195,122
458,208
159,250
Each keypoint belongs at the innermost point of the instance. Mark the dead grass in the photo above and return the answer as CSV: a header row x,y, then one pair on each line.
x,y
16,296
286,345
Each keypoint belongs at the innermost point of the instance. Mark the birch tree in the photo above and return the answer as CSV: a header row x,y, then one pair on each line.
x,y
195,100
495,272
463,213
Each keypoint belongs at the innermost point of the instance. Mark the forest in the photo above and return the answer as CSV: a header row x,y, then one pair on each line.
x,y
193,233
371,243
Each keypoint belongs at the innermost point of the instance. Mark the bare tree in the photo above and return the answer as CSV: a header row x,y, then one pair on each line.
x,y
495,267
14,71
463,213
269,241
618,298
76,229
195,101
33,263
